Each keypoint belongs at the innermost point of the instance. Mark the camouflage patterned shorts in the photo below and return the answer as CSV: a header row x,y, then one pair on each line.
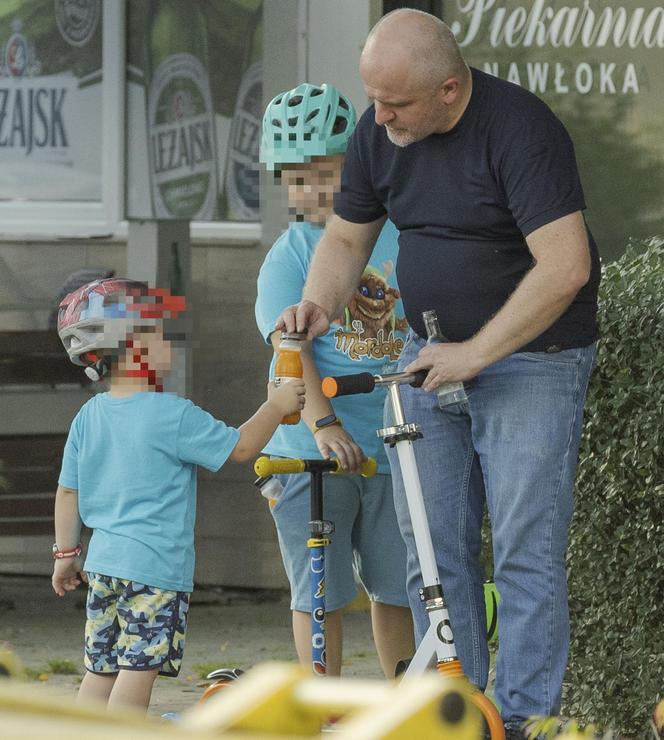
x,y
133,626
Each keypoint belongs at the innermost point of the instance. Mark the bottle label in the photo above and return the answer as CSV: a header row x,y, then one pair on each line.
x,y
242,174
181,137
280,379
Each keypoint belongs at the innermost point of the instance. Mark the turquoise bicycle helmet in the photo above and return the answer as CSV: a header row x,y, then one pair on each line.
x,y
307,121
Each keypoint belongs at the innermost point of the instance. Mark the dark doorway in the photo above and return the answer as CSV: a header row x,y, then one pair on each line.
x,y
435,7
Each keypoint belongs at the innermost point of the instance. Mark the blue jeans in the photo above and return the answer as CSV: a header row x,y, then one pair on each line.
x,y
515,446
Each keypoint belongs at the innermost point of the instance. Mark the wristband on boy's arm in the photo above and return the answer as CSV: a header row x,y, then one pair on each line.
x,y
60,554
327,421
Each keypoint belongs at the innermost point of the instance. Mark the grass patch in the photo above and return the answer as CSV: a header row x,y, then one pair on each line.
x,y
62,667
33,674
201,670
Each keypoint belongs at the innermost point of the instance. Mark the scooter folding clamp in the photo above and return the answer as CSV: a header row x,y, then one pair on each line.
x,y
321,527
392,435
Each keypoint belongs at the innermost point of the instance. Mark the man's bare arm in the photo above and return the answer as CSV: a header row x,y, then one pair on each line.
x,y
340,258
561,269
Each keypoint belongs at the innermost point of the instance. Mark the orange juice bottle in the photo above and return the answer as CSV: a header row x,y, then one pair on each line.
x,y
289,365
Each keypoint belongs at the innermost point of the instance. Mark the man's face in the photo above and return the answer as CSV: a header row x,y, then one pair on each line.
x,y
410,112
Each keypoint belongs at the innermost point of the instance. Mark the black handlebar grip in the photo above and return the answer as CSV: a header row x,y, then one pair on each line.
x,y
420,375
348,385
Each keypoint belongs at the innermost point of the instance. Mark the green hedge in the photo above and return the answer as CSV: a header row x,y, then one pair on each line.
x,y
616,553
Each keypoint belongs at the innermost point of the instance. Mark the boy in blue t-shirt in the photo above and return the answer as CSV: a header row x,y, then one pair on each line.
x,y
305,134
129,474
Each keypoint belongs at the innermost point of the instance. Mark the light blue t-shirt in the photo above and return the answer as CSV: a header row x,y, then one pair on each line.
x,y
133,462
368,337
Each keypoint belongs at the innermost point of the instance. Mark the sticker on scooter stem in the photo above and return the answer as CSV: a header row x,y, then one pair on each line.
x,y
318,564
318,615
446,638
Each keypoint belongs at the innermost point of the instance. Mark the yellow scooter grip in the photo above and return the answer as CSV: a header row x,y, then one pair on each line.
x,y
265,466
369,468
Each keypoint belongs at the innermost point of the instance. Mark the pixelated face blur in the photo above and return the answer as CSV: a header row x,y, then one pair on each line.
x,y
146,361
311,187
154,349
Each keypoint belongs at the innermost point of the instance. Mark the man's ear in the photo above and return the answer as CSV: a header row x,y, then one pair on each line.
x,y
449,90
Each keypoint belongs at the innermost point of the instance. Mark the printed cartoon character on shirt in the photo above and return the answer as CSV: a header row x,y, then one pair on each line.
x,y
370,324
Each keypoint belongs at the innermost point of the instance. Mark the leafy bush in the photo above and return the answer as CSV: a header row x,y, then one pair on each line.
x,y
616,553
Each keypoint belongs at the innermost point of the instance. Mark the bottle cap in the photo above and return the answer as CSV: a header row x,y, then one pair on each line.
x,y
293,335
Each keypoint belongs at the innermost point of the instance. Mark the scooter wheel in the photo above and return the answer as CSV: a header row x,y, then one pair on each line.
x,y
223,677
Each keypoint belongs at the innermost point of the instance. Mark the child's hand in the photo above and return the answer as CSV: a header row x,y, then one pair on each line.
x,y
287,397
67,575
334,440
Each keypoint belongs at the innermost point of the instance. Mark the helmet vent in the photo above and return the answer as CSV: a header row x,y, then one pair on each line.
x,y
312,115
295,100
276,102
316,91
276,122
340,124
342,103
292,121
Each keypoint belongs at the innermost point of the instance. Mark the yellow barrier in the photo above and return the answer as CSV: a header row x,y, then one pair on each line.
x,y
273,700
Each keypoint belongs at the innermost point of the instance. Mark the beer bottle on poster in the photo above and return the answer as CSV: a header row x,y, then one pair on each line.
x,y
241,195
181,129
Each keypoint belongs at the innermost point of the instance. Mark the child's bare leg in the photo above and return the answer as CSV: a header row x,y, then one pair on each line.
x,y
333,639
96,687
393,635
133,688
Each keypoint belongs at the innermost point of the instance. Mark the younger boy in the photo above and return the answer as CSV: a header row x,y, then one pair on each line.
x,y
129,473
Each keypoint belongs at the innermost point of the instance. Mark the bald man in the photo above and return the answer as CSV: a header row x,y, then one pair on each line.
x,y
481,180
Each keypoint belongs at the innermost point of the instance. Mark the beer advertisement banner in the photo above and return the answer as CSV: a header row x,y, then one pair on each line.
x,y
194,105
50,100
598,64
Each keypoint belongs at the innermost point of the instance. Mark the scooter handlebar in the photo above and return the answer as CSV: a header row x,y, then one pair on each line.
x,y
349,385
265,466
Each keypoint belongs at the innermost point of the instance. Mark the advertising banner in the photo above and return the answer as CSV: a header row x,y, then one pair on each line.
x,y
50,100
597,63
194,105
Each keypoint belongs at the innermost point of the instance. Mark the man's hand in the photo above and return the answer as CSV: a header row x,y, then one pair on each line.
x,y
67,575
447,362
336,440
305,316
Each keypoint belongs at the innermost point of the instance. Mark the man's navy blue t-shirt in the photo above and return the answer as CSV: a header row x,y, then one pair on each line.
x,y
464,201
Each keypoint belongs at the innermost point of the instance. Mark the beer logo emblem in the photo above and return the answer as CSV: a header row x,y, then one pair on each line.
x,y
16,57
77,20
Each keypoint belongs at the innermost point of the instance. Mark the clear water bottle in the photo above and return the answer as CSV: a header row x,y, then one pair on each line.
x,y
270,488
448,393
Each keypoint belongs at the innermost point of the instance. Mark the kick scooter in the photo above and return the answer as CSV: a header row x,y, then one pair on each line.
x,y
320,531
438,642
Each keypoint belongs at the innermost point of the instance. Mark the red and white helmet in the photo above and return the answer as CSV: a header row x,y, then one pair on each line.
x,y
101,315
